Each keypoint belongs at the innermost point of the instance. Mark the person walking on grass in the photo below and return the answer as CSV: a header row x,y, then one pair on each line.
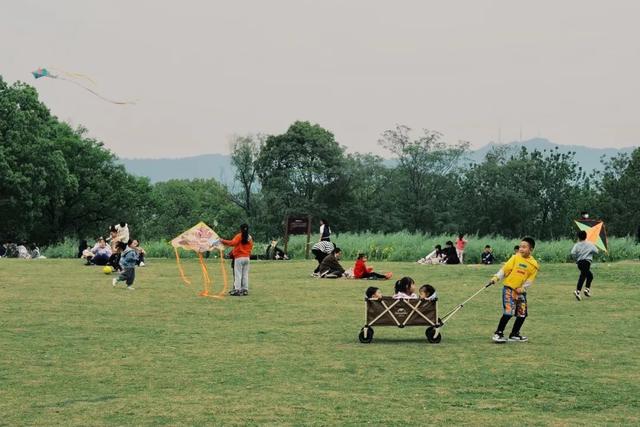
x,y
583,253
128,258
242,247
325,231
461,242
518,273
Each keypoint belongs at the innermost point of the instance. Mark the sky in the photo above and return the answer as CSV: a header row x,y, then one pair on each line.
x,y
203,71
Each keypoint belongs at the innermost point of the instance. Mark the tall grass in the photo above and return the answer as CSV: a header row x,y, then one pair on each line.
x,y
402,246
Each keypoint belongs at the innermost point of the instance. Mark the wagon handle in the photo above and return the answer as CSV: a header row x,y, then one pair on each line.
x,y
450,314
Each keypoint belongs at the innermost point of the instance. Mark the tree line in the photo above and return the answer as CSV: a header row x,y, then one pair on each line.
x,y
57,183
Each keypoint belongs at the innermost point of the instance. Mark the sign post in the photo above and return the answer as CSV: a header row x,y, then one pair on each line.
x,y
296,225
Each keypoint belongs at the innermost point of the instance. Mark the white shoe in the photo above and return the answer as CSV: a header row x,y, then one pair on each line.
x,y
142,264
498,339
114,282
576,293
130,288
587,292
518,338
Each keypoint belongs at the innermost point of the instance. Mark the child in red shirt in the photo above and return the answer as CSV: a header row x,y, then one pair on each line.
x,y
361,271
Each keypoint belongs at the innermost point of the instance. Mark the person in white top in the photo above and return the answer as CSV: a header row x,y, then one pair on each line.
x,y
325,231
122,232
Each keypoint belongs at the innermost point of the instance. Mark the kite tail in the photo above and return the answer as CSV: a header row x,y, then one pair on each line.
x,y
95,93
205,276
72,75
223,292
184,278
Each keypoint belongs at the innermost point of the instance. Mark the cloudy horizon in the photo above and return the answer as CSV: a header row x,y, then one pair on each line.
x,y
204,71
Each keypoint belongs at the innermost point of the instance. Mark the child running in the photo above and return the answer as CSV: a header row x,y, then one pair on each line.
x,y
583,253
128,258
518,273
361,271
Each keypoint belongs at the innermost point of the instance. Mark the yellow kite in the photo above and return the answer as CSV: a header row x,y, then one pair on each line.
x,y
201,238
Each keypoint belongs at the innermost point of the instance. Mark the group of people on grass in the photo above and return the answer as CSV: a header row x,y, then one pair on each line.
x,y
120,253
451,254
22,250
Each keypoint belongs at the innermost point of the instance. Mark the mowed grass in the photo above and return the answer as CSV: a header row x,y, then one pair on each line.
x,y
75,351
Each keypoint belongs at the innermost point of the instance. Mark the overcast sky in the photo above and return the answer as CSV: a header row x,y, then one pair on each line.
x,y
205,70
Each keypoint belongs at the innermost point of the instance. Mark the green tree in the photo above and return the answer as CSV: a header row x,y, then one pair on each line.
x,y
245,151
56,182
297,172
619,194
426,171
177,205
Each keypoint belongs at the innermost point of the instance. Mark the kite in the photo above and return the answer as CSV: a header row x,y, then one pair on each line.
x,y
596,232
75,78
201,238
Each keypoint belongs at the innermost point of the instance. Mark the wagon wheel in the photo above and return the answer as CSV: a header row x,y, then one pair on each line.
x,y
366,339
433,335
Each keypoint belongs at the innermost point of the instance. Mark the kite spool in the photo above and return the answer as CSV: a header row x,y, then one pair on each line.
x,y
199,238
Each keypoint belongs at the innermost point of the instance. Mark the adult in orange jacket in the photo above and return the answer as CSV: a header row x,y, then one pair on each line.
x,y
242,246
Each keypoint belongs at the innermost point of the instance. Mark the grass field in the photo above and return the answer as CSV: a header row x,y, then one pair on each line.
x,y
75,351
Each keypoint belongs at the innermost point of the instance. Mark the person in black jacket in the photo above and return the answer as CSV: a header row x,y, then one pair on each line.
x,y
330,268
450,254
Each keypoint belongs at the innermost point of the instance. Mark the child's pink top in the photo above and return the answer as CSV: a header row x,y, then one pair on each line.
x,y
460,244
402,295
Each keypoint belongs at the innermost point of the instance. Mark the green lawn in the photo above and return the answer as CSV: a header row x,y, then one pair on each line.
x,y
75,351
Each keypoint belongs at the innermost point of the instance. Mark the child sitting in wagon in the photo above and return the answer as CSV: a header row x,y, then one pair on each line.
x,y
405,288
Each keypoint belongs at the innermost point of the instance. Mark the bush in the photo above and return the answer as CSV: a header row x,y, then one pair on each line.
x,y
401,246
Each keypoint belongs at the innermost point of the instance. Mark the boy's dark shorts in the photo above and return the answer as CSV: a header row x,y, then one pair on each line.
x,y
128,275
513,303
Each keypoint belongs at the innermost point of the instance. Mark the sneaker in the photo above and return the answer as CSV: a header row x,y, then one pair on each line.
x,y
245,292
114,282
518,338
130,288
235,293
587,292
142,264
499,338
577,295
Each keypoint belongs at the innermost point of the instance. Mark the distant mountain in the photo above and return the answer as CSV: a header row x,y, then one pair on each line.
x,y
587,157
219,166
216,166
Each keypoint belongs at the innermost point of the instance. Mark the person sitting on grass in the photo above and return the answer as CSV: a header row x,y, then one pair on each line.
x,y
487,255
135,245
405,288
435,257
23,252
361,271
330,267
450,254
427,292
99,254
518,273
373,293
128,258
320,251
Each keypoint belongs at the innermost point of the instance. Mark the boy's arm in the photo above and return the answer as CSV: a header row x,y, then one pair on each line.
x,y
530,280
504,271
